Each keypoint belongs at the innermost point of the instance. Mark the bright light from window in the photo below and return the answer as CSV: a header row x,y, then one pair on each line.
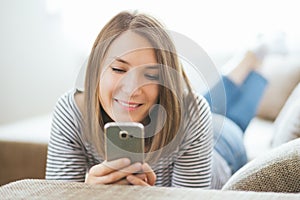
x,y
217,26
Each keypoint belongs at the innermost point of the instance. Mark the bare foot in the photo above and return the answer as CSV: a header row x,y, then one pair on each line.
x,y
249,63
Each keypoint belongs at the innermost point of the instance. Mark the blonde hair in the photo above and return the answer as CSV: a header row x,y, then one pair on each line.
x,y
165,52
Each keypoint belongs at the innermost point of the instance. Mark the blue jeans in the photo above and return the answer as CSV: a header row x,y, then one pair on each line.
x,y
241,105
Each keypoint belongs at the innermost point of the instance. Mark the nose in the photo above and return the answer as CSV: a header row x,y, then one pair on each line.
x,y
131,84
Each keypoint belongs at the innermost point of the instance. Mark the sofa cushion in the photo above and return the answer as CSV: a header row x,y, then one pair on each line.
x,y
287,124
283,74
258,137
276,171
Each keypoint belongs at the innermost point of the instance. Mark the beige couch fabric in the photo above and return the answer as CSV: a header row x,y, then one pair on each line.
x,y
283,74
287,124
45,189
276,171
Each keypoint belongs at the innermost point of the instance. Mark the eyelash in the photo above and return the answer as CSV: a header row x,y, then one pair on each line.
x,y
117,70
152,77
148,76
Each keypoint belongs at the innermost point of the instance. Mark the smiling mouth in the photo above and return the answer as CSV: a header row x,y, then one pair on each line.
x,y
129,105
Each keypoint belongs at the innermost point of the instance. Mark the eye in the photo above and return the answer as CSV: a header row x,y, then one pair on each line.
x,y
117,70
152,77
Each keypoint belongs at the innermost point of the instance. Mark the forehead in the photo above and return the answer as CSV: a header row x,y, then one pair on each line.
x,y
128,43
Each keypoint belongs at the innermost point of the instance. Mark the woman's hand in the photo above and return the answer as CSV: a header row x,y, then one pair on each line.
x,y
114,172
147,178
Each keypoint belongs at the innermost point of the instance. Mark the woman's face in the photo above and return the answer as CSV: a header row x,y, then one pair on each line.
x,y
129,79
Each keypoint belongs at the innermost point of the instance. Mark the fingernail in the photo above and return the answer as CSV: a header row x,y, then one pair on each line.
x,y
129,178
126,161
138,165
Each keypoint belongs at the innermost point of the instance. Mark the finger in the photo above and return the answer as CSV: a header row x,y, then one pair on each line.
x,y
151,176
122,182
108,167
125,181
120,174
141,176
136,180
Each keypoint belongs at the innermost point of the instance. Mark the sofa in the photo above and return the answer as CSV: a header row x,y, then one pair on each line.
x,y
279,103
20,160
277,170
23,149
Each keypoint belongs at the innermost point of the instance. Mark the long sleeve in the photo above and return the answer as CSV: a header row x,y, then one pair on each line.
x,y
66,159
193,167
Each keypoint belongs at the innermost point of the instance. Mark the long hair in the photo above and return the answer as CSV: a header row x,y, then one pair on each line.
x,y
170,91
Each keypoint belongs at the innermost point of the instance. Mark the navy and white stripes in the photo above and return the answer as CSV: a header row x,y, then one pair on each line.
x,y
70,156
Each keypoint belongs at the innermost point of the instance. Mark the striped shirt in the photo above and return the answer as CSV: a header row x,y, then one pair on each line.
x,y
70,155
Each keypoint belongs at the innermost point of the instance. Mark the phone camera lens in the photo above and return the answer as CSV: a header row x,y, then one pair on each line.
x,y
123,134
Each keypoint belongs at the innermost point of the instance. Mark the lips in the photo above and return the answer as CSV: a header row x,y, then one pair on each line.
x,y
128,105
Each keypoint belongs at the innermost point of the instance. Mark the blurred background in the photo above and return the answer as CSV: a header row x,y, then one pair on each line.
x,y
45,42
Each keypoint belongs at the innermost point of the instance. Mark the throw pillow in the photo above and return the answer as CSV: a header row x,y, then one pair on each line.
x,y
287,124
283,74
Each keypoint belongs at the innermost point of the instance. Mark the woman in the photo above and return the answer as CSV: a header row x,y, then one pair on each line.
x,y
133,74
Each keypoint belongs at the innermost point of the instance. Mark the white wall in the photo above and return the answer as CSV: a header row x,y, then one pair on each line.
x,y
38,63
44,42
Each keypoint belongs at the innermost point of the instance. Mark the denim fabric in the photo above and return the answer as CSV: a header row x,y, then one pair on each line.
x,y
241,100
241,105
242,108
228,142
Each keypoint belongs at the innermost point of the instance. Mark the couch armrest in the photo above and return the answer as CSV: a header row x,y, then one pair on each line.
x,y
21,160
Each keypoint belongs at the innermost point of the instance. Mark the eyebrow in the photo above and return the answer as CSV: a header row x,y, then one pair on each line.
x,y
155,66
121,60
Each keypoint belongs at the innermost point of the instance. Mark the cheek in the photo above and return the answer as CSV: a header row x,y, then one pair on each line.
x,y
106,87
152,92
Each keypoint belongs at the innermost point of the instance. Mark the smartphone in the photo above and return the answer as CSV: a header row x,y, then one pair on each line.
x,y
124,140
